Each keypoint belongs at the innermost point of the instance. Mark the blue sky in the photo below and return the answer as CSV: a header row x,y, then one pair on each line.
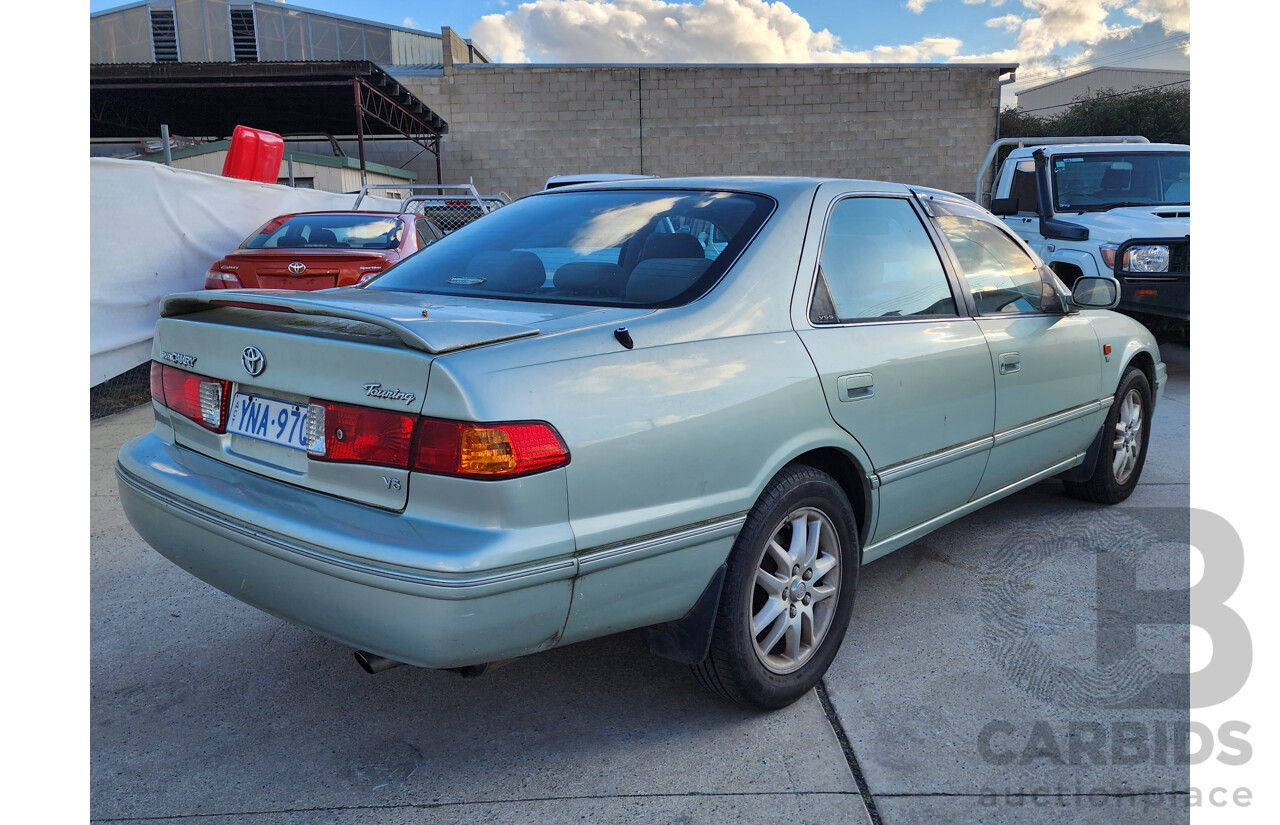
x,y
1047,37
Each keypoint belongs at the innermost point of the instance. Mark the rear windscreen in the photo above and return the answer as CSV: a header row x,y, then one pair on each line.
x,y
329,232
608,247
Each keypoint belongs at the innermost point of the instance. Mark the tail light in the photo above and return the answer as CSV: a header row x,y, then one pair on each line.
x,y
217,279
203,400
364,435
368,273
497,450
341,432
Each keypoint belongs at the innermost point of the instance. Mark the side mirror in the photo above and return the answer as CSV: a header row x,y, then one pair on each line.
x,y
1004,206
1093,292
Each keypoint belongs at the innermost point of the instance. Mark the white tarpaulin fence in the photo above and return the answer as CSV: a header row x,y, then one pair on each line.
x,y
154,230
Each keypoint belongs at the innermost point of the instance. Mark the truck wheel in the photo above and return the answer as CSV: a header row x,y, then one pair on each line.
x,y
788,593
1125,435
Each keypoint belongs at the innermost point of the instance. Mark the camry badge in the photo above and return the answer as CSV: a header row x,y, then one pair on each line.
x,y
181,359
297,268
253,360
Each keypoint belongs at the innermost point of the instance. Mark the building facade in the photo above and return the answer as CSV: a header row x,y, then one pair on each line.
x,y
217,31
1056,96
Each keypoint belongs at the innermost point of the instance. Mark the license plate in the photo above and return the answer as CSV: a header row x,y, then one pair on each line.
x,y
266,419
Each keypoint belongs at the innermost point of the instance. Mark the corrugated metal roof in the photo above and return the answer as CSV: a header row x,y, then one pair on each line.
x,y
419,70
287,7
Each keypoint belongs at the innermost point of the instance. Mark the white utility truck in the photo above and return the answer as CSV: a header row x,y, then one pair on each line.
x,y
1111,206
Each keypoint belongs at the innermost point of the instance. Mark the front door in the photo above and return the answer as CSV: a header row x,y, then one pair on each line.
x,y
1047,364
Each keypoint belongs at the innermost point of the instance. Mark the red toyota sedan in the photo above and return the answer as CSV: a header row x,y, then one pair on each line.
x,y
318,250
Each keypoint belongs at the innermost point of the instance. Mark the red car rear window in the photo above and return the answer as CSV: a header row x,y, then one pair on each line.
x,y
337,231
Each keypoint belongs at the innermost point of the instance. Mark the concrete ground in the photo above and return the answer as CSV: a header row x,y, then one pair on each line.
x,y
1019,665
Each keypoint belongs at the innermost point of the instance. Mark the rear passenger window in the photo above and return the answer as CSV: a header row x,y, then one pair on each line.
x,y
1002,278
878,262
426,235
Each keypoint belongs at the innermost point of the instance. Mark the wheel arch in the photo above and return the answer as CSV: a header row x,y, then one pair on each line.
x,y
1145,362
688,638
853,480
1082,262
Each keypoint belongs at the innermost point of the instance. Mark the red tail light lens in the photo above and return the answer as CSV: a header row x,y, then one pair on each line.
x,y
496,450
359,434
217,279
203,400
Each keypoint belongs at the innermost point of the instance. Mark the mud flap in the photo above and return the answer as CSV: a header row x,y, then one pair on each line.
x,y
688,638
1085,471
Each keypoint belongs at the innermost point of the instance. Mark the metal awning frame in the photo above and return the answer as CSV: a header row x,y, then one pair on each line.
x,y
370,101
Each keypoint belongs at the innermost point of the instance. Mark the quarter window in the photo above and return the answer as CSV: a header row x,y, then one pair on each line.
x,y
1024,187
426,235
878,262
1002,278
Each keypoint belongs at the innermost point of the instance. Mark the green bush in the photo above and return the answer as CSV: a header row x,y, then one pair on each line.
x,y
1159,115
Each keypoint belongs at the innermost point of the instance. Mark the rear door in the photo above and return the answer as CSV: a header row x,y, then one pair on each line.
x,y
1047,363
904,371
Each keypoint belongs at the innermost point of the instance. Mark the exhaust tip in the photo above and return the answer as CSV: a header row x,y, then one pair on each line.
x,y
373,663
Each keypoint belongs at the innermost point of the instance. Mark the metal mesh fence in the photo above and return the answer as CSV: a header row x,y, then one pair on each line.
x,y
123,392
454,213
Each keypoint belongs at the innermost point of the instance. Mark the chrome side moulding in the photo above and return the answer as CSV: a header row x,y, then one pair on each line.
x,y
1040,424
601,558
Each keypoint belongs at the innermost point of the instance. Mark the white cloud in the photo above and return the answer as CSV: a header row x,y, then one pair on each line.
x,y
715,31
409,24
1173,15
1010,23
768,31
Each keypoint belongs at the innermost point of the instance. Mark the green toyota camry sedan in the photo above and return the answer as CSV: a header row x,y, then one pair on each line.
x,y
695,406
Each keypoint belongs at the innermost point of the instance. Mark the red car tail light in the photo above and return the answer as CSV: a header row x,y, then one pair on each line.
x,y
342,432
203,400
217,279
493,450
371,271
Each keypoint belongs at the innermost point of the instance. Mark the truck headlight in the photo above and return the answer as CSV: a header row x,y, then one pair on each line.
x,y
1146,259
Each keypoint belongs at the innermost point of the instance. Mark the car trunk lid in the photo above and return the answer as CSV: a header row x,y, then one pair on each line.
x,y
359,347
320,269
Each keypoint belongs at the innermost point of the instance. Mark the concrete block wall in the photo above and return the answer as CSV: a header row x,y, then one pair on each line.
x,y
511,127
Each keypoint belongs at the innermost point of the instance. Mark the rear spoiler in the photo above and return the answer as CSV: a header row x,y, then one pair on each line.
x,y
436,331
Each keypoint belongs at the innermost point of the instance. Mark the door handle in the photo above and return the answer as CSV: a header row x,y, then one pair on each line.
x,y
1010,362
855,387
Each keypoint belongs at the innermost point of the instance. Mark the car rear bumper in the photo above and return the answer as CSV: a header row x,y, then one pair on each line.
x,y
404,587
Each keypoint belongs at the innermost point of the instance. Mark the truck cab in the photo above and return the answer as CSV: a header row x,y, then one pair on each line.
x,y
1114,209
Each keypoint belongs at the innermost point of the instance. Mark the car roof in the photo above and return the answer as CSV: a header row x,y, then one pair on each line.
x,y
776,186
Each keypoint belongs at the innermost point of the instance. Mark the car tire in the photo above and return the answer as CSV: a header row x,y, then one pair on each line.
x,y
1125,435
777,630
